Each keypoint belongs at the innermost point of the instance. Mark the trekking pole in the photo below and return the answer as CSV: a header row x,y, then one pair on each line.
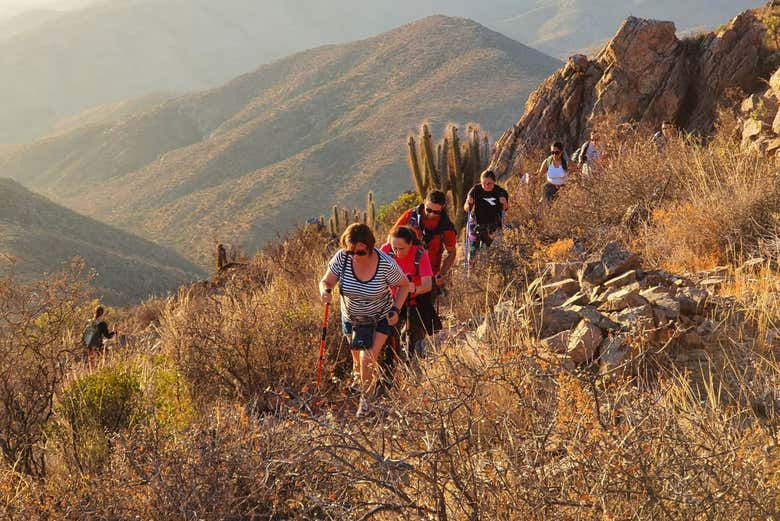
x,y
467,246
322,350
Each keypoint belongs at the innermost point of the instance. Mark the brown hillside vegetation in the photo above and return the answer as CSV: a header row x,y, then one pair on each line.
x,y
43,237
247,160
207,413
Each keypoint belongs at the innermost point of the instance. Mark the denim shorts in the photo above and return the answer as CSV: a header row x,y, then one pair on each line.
x,y
382,326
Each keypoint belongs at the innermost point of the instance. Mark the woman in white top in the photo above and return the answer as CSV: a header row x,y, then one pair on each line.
x,y
556,169
365,276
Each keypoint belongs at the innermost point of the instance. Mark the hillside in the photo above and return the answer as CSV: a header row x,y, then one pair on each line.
x,y
44,237
57,65
246,160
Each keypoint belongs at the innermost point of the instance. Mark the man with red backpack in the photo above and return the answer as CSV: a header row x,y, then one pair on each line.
x,y
436,232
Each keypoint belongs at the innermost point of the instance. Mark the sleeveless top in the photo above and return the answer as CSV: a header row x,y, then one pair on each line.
x,y
556,175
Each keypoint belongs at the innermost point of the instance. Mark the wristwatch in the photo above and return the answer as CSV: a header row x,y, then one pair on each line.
x,y
395,310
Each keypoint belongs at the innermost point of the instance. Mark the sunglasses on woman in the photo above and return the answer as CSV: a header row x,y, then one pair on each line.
x,y
359,253
556,152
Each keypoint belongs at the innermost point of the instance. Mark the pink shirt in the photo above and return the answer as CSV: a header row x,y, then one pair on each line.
x,y
407,263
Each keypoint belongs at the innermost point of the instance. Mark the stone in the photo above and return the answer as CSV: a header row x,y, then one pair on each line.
x,y
663,301
622,299
615,353
567,286
625,279
751,128
774,82
578,299
774,145
595,317
776,123
557,343
584,342
692,300
640,318
558,271
750,104
556,320
713,282
614,260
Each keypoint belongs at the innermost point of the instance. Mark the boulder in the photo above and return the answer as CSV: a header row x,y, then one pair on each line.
x,y
776,123
640,318
557,343
584,342
558,271
692,300
556,320
751,129
662,301
615,355
614,260
622,299
629,277
774,83
595,317
566,286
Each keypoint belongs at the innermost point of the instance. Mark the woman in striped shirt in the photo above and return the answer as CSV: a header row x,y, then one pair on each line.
x,y
365,276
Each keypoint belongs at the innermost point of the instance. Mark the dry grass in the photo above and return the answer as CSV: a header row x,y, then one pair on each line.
x,y
486,428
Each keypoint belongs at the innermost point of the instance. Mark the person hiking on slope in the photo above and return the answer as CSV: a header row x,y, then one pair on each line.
x,y
419,312
589,156
365,276
94,333
489,202
663,136
556,170
437,233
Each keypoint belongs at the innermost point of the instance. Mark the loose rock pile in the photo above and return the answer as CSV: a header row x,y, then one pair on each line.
x,y
608,310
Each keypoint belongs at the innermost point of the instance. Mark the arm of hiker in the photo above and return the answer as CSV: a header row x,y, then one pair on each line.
x,y
446,264
504,200
327,284
469,201
543,168
426,275
103,330
404,287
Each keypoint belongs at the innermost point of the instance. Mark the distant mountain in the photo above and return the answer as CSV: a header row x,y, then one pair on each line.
x,y
248,159
57,65
44,237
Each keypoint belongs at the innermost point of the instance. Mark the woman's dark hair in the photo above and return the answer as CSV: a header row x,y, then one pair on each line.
x,y
99,312
488,174
437,197
406,233
559,146
355,233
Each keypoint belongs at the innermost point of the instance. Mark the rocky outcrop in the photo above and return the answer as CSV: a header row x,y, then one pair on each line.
x,y
644,74
760,114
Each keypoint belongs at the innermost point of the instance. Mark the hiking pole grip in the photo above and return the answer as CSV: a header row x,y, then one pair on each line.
x,y
322,345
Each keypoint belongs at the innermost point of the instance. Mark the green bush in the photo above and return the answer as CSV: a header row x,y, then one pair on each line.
x,y
107,398
170,396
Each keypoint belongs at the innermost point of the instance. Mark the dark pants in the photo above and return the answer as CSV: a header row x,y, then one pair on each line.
x,y
550,191
480,235
421,321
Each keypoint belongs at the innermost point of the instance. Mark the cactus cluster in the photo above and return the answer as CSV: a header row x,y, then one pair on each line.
x,y
452,167
342,217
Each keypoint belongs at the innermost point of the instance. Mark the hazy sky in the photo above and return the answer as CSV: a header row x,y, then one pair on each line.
x,y
12,7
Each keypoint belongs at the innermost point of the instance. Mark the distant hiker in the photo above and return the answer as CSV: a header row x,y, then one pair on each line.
x,y
221,257
437,233
589,155
556,170
419,312
365,276
667,133
94,333
488,202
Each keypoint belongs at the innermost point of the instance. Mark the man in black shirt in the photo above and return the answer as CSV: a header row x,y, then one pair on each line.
x,y
488,201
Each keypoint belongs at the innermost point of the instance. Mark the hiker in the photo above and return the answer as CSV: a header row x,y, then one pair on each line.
x,y
437,233
556,170
418,312
365,276
489,202
94,333
589,155
667,133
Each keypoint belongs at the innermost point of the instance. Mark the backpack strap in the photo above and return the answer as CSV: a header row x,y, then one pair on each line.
x,y
417,257
341,274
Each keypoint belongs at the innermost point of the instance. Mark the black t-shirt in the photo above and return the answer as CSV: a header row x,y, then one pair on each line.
x,y
487,205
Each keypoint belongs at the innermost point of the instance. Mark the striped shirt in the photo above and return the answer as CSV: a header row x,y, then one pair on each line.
x,y
369,301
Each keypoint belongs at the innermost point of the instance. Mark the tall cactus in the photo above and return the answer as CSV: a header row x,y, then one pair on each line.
x,y
452,166
371,210
414,166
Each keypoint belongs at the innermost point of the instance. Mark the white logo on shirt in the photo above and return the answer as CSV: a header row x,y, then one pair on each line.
x,y
491,200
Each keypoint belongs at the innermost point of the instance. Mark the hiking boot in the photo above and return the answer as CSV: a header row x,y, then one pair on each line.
x,y
363,407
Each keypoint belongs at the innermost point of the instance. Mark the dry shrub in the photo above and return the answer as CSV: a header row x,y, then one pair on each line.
x,y
40,329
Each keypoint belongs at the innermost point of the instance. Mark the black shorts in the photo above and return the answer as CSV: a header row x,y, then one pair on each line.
x,y
382,326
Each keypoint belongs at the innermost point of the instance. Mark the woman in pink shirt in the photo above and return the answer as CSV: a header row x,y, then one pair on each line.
x,y
404,246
